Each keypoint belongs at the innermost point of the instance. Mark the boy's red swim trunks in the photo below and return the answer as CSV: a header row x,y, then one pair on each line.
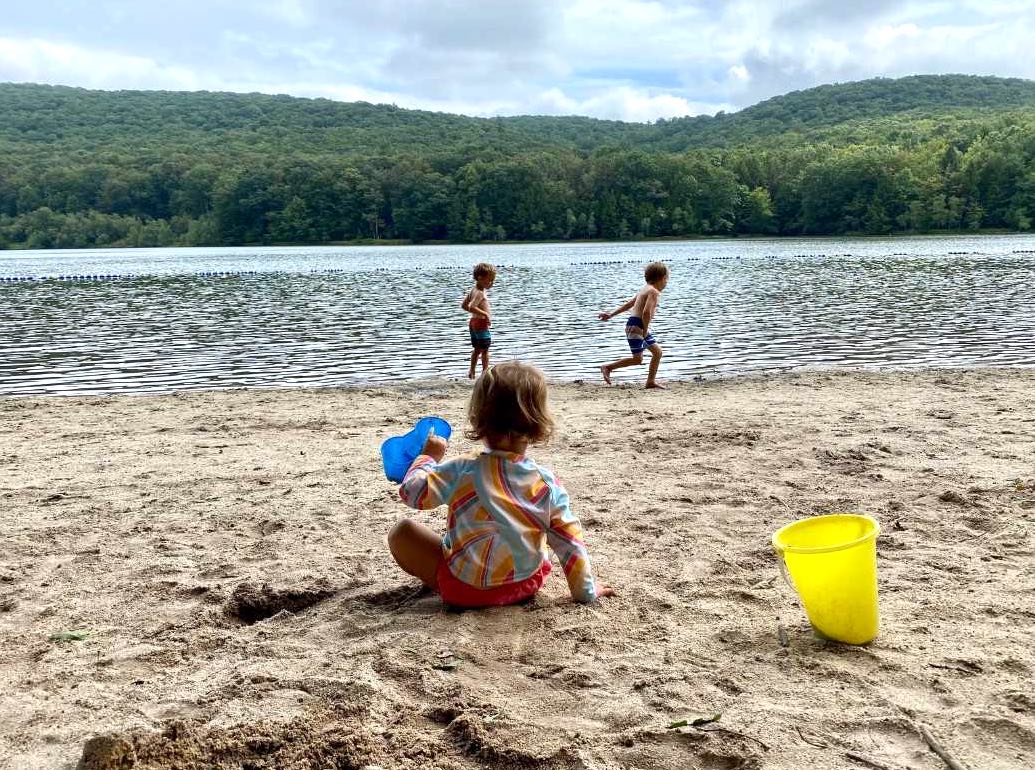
x,y
481,337
459,594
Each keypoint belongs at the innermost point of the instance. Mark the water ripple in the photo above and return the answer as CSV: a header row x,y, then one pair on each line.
x,y
346,316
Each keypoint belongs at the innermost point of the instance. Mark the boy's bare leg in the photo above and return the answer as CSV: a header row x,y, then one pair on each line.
x,y
474,362
655,362
606,369
417,549
485,360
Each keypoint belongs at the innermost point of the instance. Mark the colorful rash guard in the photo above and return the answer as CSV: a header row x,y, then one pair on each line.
x,y
503,511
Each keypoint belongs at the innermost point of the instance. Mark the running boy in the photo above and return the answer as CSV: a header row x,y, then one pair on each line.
x,y
477,304
504,508
637,329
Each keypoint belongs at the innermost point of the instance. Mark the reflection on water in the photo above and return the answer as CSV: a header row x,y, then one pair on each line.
x,y
322,316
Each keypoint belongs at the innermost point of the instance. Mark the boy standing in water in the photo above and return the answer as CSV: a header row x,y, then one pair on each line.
x,y
477,304
644,305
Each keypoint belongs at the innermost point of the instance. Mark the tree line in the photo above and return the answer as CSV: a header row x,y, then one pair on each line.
x,y
609,194
164,178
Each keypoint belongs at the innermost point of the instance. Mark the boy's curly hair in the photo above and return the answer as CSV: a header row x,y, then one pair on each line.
x,y
655,271
484,268
509,401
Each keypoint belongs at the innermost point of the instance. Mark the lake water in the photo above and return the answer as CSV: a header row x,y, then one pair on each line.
x,y
158,320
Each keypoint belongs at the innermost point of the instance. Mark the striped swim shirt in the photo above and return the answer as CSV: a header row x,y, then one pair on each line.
x,y
504,509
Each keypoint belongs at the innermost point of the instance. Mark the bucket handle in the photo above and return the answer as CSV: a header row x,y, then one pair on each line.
x,y
784,573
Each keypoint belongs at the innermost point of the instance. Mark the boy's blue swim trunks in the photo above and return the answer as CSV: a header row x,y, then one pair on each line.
x,y
481,337
635,337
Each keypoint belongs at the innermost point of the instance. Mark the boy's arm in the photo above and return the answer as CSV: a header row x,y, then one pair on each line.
x,y
650,307
428,483
472,302
622,309
565,538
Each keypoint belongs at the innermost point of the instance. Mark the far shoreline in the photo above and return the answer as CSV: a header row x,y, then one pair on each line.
x,y
396,242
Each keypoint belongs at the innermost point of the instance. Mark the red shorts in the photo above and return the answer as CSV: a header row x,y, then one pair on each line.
x,y
459,594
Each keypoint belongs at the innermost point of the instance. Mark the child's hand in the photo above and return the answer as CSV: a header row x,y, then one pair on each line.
x,y
435,447
604,316
604,590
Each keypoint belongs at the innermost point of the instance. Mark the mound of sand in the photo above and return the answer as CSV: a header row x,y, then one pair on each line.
x,y
199,581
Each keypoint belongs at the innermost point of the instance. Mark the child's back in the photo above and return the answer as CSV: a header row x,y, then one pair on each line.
x,y
504,509
647,296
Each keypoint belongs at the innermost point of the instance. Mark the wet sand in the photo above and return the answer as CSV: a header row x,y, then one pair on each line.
x,y
222,555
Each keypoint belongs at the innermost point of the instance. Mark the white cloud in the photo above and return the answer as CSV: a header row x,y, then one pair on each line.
x,y
624,103
824,55
883,36
995,8
353,93
49,62
739,72
293,12
628,59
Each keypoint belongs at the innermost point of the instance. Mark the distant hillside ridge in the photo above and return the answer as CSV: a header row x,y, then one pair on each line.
x,y
41,114
814,111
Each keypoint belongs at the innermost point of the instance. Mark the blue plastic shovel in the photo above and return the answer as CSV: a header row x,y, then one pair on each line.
x,y
399,452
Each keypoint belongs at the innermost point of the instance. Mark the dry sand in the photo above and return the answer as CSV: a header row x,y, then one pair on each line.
x,y
223,553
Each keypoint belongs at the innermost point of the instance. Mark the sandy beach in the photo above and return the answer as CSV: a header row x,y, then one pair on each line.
x,y
201,580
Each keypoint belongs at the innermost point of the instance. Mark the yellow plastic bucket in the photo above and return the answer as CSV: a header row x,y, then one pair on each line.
x,y
832,563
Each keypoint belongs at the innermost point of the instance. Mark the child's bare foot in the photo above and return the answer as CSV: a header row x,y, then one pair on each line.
x,y
605,373
655,386
470,375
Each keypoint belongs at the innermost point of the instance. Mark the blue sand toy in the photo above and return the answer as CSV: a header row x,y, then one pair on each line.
x,y
399,452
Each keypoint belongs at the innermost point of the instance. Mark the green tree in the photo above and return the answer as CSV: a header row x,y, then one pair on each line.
x,y
755,213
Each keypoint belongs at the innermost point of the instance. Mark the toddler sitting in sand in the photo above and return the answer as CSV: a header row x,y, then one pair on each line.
x,y
503,507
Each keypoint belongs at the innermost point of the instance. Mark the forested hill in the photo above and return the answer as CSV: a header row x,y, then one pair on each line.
x,y
75,117
849,112
95,168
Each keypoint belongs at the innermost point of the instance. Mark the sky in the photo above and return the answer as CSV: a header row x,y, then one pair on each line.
x,y
634,60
